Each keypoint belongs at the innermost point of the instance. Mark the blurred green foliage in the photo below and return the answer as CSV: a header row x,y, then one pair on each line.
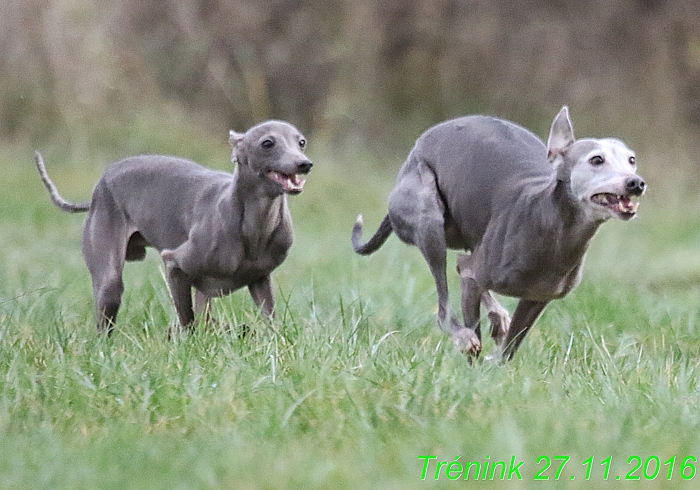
x,y
81,72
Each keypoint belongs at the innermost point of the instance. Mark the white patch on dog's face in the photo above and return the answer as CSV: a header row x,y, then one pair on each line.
x,y
600,176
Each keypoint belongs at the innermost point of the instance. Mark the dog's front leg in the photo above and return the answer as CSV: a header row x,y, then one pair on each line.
x,y
261,292
498,317
524,316
202,305
180,288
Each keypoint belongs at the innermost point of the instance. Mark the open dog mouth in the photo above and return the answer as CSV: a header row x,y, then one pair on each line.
x,y
624,206
291,183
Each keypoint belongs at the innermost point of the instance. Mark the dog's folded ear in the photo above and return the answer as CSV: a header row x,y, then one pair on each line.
x,y
561,135
234,140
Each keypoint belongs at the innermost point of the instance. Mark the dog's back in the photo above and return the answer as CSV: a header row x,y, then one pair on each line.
x,y
479,162
148,188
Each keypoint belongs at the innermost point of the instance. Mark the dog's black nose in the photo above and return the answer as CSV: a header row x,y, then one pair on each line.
x,y
635,185
304,167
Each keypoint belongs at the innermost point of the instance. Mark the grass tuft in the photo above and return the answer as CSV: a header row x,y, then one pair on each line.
x,y
353,381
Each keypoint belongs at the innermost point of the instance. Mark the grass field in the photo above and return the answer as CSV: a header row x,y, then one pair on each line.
x,y
353,386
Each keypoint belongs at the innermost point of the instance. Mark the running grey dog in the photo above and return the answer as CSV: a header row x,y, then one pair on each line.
x,y
526,212
215,231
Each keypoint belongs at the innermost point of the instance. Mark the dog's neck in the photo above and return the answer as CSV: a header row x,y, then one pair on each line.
x,y
260,212
571,229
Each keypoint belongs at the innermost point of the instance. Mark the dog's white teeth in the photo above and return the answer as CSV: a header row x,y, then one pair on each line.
x,y
290,183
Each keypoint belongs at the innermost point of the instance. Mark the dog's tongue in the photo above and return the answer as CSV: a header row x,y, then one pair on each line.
x,y
290,183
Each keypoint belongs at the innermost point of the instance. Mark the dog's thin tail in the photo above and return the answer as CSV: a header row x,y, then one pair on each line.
x,y
64,205
373,243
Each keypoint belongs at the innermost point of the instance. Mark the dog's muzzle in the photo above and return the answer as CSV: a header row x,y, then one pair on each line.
x,y
623,205
292,183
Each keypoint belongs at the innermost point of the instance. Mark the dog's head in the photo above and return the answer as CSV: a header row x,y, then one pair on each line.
x,y
274,150
601,173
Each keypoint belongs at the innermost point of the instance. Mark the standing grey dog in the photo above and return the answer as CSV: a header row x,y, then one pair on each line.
x,y
526,212
215,231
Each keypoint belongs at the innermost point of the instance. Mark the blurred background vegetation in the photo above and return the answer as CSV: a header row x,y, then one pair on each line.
x,y
354,75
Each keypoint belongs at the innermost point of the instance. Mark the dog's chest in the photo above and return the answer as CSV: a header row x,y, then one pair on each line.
x,y
242,265
537,281
533,250
248,270
235,256
265,256
265,244
539,266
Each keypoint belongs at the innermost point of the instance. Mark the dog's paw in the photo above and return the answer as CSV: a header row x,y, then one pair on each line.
x,y
467,341
500,324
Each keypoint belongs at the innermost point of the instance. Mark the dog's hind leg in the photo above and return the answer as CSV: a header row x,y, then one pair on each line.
x,y
417,217
104,249
108,288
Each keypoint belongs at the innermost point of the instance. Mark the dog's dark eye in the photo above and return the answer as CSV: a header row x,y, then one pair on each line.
x,y
302,144
597,160
633,161
267,144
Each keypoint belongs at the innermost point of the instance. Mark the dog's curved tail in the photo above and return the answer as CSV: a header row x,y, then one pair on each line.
x,y
373,243
61,203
